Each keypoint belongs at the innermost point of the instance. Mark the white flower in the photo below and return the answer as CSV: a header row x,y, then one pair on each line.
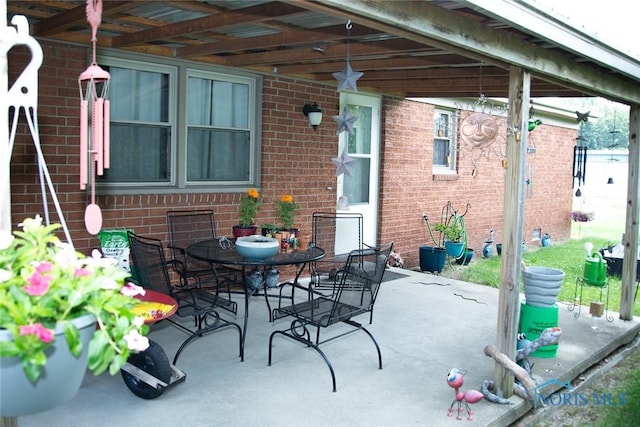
x,y
138,321
107,283
31,224
136,342
5,275
6,238
131,290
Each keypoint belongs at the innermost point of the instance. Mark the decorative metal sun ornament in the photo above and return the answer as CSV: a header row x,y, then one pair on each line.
x,y
480,131
347,77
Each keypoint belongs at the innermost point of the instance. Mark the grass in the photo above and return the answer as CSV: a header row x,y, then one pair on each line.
x,y
569,257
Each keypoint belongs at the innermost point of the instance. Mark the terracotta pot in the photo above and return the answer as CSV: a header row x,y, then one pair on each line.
x,y
241,230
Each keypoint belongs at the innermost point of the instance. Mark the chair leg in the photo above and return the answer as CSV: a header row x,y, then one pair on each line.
x,y
308,343
359,326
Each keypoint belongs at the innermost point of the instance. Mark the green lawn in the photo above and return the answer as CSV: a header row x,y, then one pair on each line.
x,y
567,256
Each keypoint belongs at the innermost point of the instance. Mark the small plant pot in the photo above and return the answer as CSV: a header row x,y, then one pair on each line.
x,y
465,259
454,249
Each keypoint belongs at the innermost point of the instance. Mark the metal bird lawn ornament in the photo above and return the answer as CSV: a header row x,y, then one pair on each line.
x,y
455,380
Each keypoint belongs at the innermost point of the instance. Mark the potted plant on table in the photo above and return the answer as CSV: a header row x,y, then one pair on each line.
x,y
247,211
51,299
286,208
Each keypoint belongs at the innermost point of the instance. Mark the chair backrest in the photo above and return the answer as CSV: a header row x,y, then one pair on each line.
x,y
337,234
359,281
149,263
187,227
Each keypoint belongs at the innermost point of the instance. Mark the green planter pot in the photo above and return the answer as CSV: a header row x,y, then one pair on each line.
x,y
60,380
454,249
432,259
466,258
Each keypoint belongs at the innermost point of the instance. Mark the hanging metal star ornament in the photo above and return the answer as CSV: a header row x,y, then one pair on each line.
x,y
345,121
347,77
343,163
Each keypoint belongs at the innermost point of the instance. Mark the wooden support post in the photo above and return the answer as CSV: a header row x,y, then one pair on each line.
x,y
512,228
630,243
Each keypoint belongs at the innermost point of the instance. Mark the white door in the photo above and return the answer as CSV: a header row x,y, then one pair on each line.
x,y
363,145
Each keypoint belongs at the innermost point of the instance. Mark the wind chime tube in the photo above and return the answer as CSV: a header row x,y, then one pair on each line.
x,y
97,134
107,133
84,130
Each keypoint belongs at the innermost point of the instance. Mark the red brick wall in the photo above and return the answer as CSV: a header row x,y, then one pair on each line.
x,y
409,187
296,160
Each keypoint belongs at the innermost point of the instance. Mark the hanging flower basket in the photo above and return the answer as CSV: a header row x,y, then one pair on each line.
x,y
580,216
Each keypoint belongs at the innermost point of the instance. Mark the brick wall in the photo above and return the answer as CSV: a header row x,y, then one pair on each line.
x,y
295,159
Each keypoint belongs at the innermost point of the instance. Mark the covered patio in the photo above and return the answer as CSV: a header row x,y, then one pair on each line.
x,y
425,325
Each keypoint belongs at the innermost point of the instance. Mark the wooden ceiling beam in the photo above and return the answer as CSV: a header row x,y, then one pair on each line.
x,y
293,37
395,63
252,15
326,52
78,17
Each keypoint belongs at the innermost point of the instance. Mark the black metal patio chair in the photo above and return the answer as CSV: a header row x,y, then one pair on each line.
x,y
355,291
190,226
337,233
151,271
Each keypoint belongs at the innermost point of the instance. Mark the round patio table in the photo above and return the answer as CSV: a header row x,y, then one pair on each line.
x,y
222,251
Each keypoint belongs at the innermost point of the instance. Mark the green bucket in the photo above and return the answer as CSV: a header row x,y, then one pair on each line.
x,y
534,320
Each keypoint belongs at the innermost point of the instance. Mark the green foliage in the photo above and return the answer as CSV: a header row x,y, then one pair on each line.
x,y
452,231
611,130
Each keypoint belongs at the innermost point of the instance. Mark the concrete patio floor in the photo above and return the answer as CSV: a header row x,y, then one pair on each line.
x,y
425,325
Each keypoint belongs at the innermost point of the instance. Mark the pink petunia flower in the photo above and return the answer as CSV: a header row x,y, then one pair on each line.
x,y
38,284
81,272
45,335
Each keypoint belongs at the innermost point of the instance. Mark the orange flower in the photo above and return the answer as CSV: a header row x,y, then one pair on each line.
x,y
287,198
253,193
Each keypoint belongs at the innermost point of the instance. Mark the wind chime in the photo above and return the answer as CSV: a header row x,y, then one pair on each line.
x,y
579,164
94,122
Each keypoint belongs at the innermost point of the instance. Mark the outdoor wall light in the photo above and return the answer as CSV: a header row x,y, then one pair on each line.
x,y
314,114
610,180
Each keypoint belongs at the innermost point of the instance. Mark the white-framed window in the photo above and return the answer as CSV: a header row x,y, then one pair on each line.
x,y
444,142
181,126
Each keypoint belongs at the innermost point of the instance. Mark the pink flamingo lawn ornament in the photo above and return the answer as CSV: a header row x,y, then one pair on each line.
x,y
94,109
455,380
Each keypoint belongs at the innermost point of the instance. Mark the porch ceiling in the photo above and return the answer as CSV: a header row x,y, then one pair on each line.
x,y
309,40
